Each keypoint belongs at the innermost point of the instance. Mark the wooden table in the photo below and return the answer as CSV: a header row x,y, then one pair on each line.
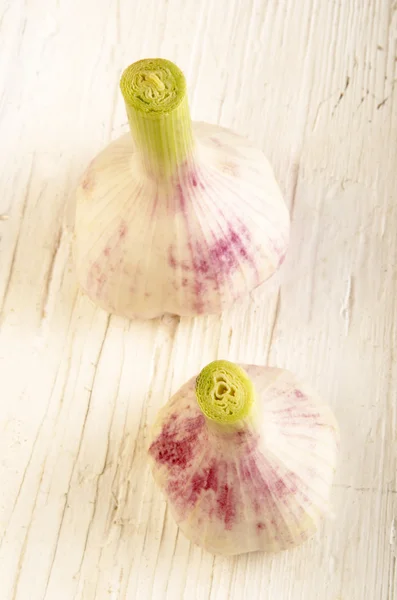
x,y
314,84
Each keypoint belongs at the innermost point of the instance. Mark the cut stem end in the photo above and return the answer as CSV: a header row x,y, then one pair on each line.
x,y
153,86
224,392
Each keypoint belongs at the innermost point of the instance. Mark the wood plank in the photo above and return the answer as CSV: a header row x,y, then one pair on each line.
x,y
312,83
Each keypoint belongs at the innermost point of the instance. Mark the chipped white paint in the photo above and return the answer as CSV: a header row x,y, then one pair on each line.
x,y
314,85
347,303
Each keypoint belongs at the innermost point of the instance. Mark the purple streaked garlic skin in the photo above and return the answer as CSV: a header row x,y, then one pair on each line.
x,y
195,246
262,483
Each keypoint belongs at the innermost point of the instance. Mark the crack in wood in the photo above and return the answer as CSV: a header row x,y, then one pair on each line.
x,y
341,95
50,270
16,245
273,326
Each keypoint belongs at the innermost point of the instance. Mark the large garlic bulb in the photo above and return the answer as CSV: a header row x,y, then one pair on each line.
x,y
175,218
245,456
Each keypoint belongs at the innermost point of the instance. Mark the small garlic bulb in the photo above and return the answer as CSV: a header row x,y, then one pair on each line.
x,y
175,218
245,456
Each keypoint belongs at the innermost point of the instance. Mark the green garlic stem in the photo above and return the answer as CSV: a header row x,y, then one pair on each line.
x,y
155,96
224,392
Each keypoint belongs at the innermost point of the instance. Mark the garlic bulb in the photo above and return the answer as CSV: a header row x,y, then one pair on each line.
x,y
245,456
175,218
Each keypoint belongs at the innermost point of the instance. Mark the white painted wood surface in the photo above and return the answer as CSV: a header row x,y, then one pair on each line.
x,y
314,84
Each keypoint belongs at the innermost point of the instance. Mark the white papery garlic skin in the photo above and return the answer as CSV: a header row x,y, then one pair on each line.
x,y
259,483
176,218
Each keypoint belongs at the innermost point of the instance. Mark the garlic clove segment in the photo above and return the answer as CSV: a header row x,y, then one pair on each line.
x,y
175,217
245,456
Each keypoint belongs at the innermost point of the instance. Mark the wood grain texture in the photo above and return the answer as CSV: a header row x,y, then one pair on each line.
x,y
314,84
